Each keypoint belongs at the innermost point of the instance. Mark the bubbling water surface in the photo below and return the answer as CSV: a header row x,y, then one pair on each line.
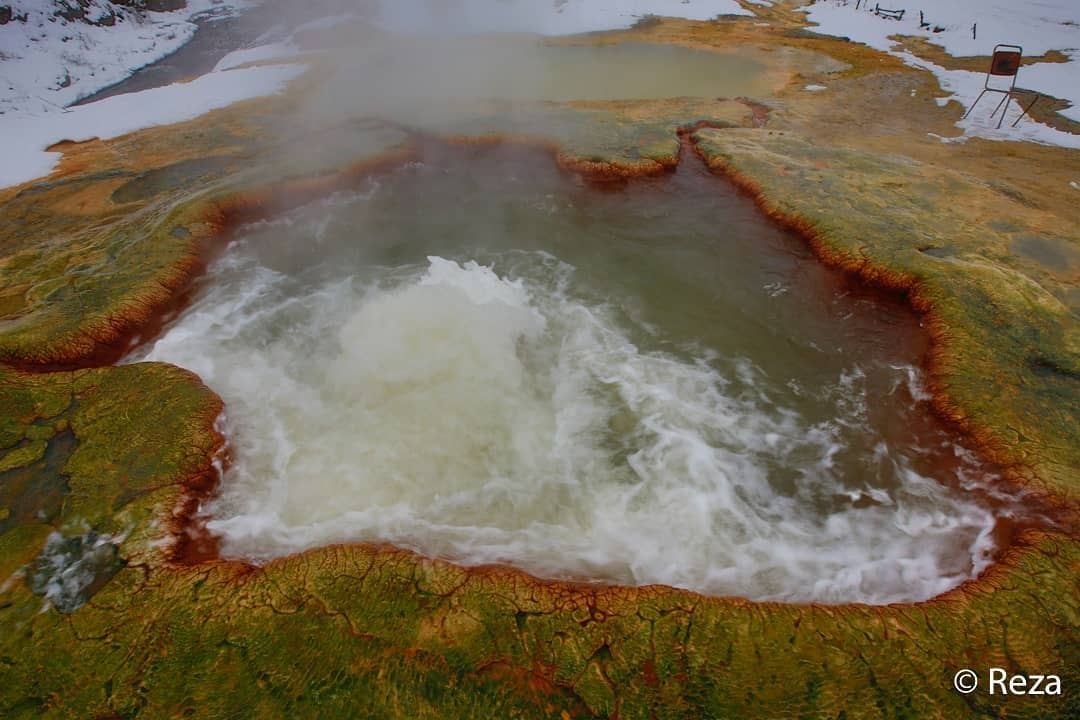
x,y
479,358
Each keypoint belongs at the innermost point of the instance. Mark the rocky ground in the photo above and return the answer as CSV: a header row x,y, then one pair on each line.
x,y
111,607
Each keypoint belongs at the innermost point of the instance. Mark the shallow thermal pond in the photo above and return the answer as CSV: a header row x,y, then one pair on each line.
x,y
484,359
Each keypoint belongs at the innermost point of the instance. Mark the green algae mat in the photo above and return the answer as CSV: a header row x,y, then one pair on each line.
x,y
111,608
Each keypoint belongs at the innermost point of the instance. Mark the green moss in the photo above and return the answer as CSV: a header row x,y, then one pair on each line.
x,y
96,279
342,631
23,455
118,443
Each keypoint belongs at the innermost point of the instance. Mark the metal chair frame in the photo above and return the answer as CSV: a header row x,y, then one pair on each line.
x,y
1009,93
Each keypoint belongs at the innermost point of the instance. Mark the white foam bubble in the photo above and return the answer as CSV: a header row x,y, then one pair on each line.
x,y
490,419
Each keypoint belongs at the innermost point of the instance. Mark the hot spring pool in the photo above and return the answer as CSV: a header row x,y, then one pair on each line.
x,y
484,359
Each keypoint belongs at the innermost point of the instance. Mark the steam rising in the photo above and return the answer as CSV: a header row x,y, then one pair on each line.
x,y
420,63
544,17
585,386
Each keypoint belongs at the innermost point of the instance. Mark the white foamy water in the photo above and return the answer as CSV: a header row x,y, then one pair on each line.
x,y
487,418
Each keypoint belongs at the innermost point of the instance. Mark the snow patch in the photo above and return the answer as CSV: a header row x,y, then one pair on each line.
x,y
1038,25
259,53
48,62
118,115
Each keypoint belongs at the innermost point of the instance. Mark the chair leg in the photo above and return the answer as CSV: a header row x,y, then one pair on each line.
x,y
1002,102
970,109
1025,112
1008,99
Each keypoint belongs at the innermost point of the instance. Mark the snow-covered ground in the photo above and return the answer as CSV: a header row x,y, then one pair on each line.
x,y
1037,25
25,157
48,62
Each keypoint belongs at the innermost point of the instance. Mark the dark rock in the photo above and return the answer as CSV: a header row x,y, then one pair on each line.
x,y
77,11
153,5
71,10
5,14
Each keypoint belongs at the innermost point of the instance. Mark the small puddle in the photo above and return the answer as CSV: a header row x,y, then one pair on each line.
x,y
170,177
35,492
1054,253
485,359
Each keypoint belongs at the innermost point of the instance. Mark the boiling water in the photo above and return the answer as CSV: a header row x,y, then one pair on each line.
x,y
482,359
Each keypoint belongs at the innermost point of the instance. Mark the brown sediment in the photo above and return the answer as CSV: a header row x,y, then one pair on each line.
x,y
538,680
603,171
108,344
994,577
192,542
760,111
585,592
595,171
